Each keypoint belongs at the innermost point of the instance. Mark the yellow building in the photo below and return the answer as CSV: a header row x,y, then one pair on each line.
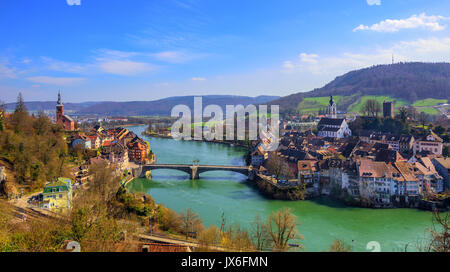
x,y
57,195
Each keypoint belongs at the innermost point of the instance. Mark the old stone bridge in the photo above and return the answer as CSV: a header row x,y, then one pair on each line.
x,y
194,171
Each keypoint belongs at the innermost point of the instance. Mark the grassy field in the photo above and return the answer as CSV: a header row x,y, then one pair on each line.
x,y
428,110
429,102
314,104
358,105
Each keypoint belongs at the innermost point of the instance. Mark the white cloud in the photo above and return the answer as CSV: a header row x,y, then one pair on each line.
x,y
125,67
198,79
115,54
117,62
288,65
415,21
309,58
73,2
106,61
374,2
7,72
423,50
58,81
62,66
173,56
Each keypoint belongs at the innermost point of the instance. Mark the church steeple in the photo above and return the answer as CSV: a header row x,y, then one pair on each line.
x,y
332,108
59,99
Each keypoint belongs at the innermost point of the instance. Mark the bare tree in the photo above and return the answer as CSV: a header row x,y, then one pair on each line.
x,y
340,246
282,228
372,107
412,113
191,222
278,167
260,235
423,119
237,238
403,114
440,233
209,237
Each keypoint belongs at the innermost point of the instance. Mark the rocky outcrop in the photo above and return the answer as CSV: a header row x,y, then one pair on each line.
x,y
272,191
7,188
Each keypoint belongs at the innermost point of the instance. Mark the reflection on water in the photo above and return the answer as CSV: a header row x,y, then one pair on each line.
x,y
322,220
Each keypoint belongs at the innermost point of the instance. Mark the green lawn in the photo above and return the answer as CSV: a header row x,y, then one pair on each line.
x,y
429,102
358,105
314,104
430,110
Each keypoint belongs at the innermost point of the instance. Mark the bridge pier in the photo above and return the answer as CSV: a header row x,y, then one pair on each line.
x,y
137,172
194,173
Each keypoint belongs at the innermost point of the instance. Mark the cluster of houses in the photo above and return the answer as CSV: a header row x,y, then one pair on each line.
x,y
117,147
374,166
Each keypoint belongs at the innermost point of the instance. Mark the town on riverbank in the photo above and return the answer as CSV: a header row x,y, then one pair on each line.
x,y
366,162
93,165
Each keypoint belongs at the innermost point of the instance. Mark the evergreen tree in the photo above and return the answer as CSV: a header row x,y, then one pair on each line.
x,y
20,105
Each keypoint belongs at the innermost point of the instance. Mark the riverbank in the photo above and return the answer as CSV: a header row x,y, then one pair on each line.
x,y
322,219
272,190
228,143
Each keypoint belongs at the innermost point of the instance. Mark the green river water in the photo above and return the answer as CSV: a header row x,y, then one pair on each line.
x,y
322,221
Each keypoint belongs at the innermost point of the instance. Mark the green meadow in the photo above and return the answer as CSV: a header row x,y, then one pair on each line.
x,y
429,102
355,104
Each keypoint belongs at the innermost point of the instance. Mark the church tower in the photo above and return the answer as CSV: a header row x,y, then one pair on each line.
x,y
332,108
59,110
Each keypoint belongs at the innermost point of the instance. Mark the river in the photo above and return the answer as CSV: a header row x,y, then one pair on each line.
x,y
322,221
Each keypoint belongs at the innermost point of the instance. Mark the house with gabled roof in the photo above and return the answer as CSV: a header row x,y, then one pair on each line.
x,y
333,128
442,166
431,143
57,195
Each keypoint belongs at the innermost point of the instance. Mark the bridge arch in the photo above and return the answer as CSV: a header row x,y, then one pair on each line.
x,y
193,170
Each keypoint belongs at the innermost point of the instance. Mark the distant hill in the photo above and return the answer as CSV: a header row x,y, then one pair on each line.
x,y
405,82
144,108
164,106
50,105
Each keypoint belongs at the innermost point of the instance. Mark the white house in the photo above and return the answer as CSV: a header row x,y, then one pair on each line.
x,y
376,181
431,143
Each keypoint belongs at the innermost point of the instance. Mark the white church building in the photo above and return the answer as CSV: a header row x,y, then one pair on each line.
x,y
332,126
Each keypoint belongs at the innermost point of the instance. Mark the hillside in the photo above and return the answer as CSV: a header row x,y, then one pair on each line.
x,y
404,82
164,106
143,108
35,106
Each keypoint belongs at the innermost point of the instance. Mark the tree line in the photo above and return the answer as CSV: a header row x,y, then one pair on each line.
x,y
32,146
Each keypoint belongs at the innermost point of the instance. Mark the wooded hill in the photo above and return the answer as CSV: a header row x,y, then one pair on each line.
x,y
403,81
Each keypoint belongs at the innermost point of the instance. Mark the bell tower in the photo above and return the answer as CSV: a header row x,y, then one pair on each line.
x,y
59,110
332,108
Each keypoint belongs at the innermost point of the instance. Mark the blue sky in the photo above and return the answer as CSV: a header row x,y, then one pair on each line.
x,y
117,50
